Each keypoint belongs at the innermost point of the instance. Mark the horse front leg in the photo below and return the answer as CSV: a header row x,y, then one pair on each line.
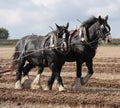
x,y
56,75
50,82
89,65
36,84
77,83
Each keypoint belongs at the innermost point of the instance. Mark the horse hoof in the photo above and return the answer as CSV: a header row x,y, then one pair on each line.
x,y
55,86
46,89
82,81
61,88
76,88
35,87
24,79
18,85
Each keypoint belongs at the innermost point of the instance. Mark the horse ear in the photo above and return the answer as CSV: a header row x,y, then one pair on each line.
x,y
57,26
67,25
106,18
99,19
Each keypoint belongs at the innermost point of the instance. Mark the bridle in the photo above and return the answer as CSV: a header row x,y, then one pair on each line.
x,y
60,39
84,39
99,33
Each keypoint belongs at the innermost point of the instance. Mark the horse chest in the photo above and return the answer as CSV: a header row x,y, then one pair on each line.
x,y
87,54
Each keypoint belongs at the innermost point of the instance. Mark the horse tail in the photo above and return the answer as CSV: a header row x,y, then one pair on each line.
x,y
15,58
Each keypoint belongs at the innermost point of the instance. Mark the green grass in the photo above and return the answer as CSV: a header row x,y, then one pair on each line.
x,y
12,42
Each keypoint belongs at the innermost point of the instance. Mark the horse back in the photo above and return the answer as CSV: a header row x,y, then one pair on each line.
x,y
30,42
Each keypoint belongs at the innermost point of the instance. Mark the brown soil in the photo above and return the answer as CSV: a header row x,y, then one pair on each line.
x,y
101,91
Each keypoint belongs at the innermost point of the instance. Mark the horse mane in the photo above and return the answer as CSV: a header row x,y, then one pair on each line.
x,y
90,21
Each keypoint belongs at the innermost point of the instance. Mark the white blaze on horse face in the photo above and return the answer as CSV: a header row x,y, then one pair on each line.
x,y
64,45
64,36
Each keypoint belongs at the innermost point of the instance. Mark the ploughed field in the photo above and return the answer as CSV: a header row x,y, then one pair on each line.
x,y
101,91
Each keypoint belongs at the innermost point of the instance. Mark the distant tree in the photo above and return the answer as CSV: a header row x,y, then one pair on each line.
x,y
4,34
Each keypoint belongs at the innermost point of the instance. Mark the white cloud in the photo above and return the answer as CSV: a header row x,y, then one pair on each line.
x,y
46,3
111,9
10,17
34,16
18,17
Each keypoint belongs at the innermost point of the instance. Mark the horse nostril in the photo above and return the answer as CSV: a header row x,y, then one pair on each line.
x,y
64,46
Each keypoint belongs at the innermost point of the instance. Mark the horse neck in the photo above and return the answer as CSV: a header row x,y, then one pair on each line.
x,y
92,35
91,41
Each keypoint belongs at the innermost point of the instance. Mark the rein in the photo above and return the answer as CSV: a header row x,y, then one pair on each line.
x,y
84,39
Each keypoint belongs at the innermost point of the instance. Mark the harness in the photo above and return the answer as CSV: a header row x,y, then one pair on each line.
x,y
84,37
55,43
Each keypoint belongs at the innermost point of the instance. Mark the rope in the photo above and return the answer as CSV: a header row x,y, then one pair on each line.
x,y
47,48
42,49
8,70
33,51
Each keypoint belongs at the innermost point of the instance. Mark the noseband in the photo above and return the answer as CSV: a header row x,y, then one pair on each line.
x,y
100,33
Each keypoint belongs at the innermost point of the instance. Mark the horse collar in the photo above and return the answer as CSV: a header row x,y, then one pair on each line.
x,y
84,34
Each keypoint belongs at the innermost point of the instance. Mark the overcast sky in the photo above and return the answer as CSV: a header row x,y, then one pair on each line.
x,y
24,17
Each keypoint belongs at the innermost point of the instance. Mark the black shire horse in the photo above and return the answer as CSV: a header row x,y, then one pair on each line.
x,y
41,51
83,47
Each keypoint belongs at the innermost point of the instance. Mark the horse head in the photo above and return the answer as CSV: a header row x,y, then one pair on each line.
x,y
104,28
97,29
62,31
93,30
62,35
90,32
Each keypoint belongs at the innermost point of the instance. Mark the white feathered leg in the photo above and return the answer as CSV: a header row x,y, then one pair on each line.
x,y
18,85
36,83
58,87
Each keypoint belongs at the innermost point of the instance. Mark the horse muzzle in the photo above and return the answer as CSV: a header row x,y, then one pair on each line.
x,y
64,46
108,38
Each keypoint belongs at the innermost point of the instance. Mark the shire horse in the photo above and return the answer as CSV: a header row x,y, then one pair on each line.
x,y
39,51
83,48
84,45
